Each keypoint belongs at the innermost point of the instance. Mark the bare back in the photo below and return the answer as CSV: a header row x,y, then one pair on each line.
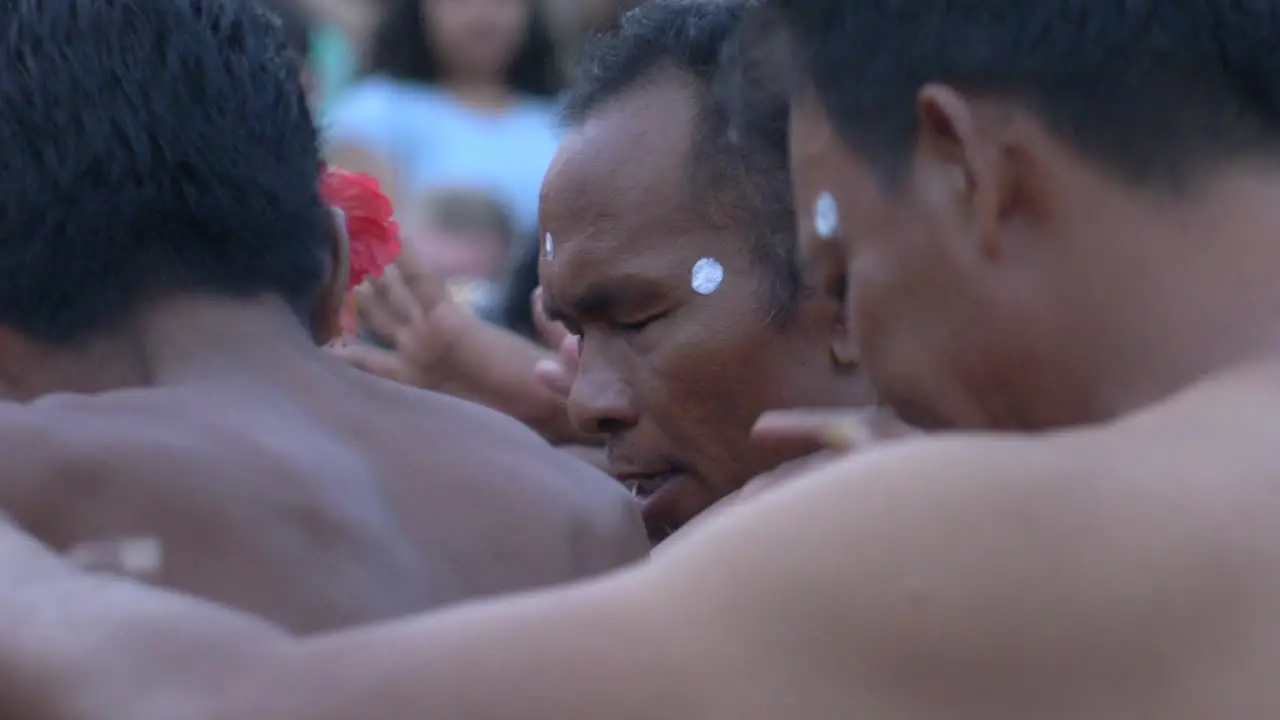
x,y
320,500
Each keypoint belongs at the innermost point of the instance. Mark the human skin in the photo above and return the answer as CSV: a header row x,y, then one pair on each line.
x,y
675,379
439,346
302,490
963,586
1127,566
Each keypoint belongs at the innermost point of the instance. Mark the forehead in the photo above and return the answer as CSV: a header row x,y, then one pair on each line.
x,y
619,180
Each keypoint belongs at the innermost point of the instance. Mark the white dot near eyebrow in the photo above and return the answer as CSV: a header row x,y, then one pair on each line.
x,y
826,216
707,275
550,246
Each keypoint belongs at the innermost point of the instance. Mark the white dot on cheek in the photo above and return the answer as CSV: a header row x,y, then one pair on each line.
x,y
707,275
550,246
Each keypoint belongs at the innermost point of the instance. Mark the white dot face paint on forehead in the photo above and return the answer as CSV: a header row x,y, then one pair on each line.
x,y
826,216
549,246
706,276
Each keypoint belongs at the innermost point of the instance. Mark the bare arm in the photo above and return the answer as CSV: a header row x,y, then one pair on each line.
x,y
939,581
932,580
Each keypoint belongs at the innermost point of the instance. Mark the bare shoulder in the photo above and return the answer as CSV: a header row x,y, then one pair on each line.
x,y
76,459
50,442
502,464
1003,561
35,446
557,490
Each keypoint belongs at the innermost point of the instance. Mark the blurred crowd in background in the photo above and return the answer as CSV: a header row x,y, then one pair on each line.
x,y
452,105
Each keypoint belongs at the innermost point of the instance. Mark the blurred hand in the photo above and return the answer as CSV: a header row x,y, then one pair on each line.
x,y
442,347
803,431
556,373
411,308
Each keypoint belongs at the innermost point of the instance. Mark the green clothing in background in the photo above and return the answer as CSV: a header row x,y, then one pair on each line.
x,y
334,62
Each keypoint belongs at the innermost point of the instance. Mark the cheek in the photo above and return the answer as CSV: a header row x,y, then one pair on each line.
x,y
887,307
710,382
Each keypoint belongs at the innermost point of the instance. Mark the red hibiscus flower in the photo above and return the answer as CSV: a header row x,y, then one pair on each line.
x,y
372,230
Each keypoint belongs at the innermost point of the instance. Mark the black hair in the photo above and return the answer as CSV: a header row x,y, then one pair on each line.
x,y
1147,89
738,165
295,25
151,148
401,48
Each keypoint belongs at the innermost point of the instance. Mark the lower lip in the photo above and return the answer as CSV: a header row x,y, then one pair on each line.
x,y
655,481
655,501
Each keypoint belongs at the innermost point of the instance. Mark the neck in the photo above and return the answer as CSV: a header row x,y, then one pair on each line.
x,y
1204,300
184,341
481,94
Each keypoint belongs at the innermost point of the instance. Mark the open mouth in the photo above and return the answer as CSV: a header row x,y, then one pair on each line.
x,y
643,487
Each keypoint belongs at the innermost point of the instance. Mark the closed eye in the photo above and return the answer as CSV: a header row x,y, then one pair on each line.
x,y
640,325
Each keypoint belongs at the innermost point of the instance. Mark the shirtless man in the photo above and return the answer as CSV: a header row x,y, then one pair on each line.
x,y
679,276
1125,565
161,237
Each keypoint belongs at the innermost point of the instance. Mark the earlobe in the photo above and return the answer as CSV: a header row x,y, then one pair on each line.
x,y
844,342
327,325
844,352
827,277
15,354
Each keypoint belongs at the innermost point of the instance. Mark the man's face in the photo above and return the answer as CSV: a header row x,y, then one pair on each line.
x,y
679,356
949,314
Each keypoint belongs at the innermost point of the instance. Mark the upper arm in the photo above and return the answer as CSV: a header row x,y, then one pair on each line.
x,y
937,579
950,578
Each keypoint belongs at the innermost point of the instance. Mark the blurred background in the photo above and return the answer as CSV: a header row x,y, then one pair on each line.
x,y
452,105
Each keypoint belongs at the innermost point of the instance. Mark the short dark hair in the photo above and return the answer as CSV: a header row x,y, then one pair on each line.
x,y
738,167
152,148
1146,89
295,25
401,48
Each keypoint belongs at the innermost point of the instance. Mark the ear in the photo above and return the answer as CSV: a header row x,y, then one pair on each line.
x,y
827,266
18,356
844,346
844,341
957,168
326,324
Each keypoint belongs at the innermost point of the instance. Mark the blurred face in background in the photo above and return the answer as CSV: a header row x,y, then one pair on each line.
x,y
476,39
450,254
601,13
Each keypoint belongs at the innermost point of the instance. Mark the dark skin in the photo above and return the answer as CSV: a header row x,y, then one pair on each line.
x,y
1122,569
673,378
997,217
274,479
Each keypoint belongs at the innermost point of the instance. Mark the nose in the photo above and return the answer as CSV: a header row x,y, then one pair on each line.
x,y
600,402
